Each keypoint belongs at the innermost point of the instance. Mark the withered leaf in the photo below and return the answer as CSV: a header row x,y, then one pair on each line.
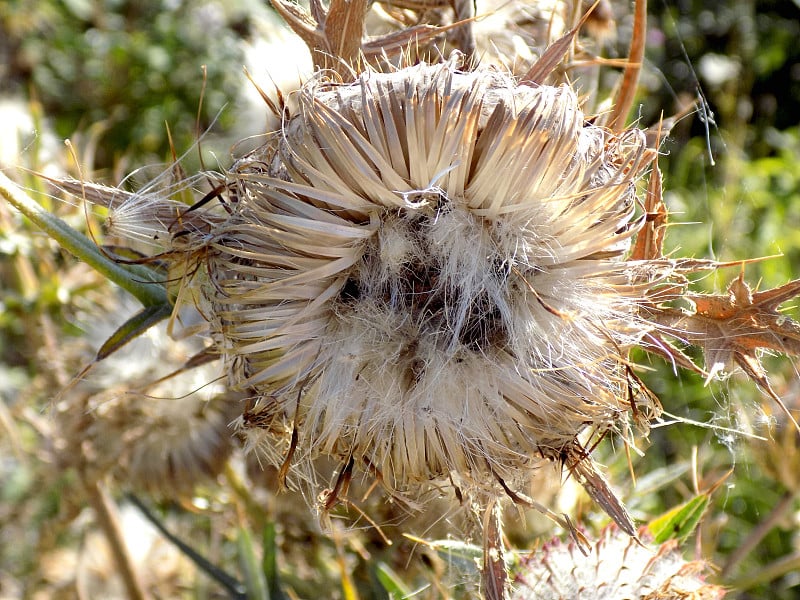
x,y
733,328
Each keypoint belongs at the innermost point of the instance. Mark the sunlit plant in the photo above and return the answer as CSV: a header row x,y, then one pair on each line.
x,y
433,274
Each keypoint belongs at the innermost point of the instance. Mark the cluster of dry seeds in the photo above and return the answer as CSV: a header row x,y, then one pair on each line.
x,y
422,275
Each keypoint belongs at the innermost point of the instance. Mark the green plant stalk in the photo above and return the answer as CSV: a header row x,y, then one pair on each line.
x,y
255,580
269,562
139,281
256,513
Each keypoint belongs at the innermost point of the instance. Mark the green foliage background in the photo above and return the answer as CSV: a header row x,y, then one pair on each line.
x,y
112,72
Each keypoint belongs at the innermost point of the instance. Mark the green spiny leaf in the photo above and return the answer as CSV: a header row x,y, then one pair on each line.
x,y
133,328
679,522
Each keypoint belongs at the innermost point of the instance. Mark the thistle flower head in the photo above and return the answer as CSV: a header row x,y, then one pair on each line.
x,y
617,567
421,274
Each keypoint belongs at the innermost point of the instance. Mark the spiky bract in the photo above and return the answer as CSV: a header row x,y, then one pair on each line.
x,y
617,567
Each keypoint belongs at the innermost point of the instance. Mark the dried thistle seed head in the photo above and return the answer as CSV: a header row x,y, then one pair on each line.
x,y
170,446
617,567
146,418
422,275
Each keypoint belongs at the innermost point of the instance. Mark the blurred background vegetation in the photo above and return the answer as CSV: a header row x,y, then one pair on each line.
x,y
109,74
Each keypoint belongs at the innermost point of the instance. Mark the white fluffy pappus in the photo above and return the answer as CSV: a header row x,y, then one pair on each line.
x,y
423,275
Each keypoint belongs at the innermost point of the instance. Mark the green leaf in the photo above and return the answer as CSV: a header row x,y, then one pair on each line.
x,y
391,582
133,328
253,576
269,564
465,557
679,522
658,479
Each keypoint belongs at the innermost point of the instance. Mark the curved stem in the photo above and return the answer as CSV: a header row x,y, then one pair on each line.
x,y
106,513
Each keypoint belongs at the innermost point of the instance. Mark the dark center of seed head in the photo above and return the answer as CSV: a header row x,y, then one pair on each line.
x,y
434,306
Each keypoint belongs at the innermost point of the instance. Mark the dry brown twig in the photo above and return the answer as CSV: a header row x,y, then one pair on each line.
x,y
336,36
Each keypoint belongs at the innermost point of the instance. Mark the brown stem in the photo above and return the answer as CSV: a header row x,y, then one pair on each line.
x,y
494,573
107,518
630,79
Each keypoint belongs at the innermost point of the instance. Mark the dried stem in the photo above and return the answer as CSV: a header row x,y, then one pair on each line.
x,y
494,574
630,79
107,518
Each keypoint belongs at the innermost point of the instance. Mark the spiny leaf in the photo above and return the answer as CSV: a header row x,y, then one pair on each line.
x,y
679,522
133,328
733,328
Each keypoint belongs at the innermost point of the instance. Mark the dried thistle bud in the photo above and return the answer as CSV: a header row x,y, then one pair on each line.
x,y
422,275
148,416
617,567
